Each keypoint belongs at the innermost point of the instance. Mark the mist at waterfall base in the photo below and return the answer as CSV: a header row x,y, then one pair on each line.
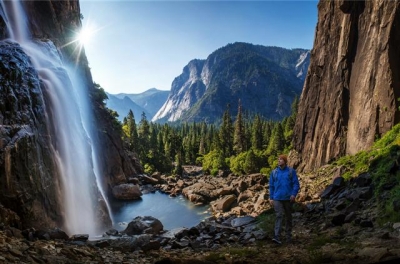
x,y
173,212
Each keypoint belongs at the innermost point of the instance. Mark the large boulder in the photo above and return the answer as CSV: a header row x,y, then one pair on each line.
x,y
144,225
127,191
224,204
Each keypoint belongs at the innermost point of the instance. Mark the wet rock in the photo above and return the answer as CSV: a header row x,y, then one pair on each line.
x,y
144,224
127,191
79,237
51,234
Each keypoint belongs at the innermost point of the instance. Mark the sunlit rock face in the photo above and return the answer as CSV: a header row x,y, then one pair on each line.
x,y
351,89
264,79
30,183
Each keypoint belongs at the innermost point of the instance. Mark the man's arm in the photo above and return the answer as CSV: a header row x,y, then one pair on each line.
x,y
296,186
271,188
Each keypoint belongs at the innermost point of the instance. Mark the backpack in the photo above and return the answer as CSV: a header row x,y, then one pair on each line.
x,y
290,174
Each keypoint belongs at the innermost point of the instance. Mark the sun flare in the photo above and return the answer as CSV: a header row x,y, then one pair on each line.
x,y
83,38
85,35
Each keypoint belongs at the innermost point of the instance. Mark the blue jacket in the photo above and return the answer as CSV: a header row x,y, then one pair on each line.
x,y
282,185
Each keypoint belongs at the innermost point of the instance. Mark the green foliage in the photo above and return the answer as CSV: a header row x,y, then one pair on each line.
x,y
266,171
213,161
248,162
240,148
237,163
98,94
149,168
382,162
130,131
266,221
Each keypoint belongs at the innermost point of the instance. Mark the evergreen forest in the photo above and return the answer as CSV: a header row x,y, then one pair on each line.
x,y
240,144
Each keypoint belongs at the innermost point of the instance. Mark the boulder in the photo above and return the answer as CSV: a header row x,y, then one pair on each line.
x,y
144,225
127,191
224,204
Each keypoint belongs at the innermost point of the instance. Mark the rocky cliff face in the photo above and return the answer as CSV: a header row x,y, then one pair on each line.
x,y
186,90
29,178
351,89
264,79
28,175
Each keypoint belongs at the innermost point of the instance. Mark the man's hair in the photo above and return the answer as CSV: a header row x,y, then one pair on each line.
x,y
284,157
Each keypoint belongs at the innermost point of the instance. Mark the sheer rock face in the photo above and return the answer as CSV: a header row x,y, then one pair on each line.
x,y
29,181
28,176
351,89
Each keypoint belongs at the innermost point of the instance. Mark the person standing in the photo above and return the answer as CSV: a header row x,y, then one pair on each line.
x,y
283,188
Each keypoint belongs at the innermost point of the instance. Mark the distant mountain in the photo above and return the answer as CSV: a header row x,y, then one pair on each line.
x,y
148,102
265,79
123,105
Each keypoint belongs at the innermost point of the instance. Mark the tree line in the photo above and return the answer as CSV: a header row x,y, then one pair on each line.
x,y
243,145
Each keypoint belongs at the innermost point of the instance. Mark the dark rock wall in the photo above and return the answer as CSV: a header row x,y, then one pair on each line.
x,y
28,176
29,181
351,89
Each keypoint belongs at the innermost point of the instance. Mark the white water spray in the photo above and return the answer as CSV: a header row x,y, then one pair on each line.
x,y
70,113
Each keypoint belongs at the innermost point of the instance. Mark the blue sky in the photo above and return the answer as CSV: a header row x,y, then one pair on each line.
x,y
137,45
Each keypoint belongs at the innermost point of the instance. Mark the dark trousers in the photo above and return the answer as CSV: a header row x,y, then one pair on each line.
x,y
283,208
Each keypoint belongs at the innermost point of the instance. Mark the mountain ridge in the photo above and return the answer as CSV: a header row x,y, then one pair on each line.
x,y
147,102
273,76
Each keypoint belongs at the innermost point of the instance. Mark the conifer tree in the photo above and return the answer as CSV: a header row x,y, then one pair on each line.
x,y
203,139
256,135
144,138
277,141
250,165
267,132
225,139
130,131
239,139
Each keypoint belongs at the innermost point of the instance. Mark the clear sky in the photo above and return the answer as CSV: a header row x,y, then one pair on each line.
x,y
133,45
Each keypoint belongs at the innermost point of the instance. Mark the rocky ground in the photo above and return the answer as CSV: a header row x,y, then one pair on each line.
x,y
335,222
334,245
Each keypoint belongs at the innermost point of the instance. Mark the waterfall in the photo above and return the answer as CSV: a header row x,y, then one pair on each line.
x,y
69,114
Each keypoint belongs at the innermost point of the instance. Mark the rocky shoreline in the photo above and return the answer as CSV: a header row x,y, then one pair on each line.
x,y
334,223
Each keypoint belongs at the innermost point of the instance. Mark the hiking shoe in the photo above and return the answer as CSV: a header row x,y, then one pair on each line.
x,y
277,241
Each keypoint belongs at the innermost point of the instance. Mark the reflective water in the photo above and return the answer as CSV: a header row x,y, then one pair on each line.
x,y
173,212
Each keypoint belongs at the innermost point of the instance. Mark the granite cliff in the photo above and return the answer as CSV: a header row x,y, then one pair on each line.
x,y
350,95
264,79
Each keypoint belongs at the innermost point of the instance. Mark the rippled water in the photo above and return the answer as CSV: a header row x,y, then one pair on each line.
x,y
173,212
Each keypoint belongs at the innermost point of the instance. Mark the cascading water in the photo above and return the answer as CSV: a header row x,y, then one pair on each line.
x,y
69,113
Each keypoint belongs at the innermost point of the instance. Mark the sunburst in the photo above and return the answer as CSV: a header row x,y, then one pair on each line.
x,y
83,37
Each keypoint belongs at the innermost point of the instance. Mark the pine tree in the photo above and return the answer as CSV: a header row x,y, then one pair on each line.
x,y
250,165
277,141
225,139
144,138
256,135
130,131
239,139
